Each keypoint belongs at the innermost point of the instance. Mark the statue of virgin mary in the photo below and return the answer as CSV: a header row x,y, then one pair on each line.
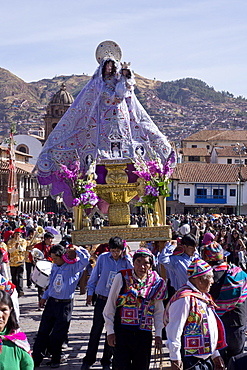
x,y
106,123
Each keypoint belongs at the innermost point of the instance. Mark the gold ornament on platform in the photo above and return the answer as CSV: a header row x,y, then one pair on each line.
x,y
118,193
77,211
86,222
160,208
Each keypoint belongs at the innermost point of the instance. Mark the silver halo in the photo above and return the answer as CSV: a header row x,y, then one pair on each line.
x,y
108,49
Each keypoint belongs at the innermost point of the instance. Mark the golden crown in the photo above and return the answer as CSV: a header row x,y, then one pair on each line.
x,y
125,65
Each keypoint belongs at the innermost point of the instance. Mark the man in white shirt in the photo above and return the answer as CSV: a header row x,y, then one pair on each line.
x,y
194,331
135,301
184,228
107,266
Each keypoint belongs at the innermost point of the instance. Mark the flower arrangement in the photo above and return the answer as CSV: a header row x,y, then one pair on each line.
x,y
82,190
156,176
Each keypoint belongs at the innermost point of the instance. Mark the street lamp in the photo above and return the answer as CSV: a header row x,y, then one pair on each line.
x,y
239,149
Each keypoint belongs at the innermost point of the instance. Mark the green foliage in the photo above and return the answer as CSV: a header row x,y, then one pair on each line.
x,y
240,97
241,114
13,128
8,140
181,91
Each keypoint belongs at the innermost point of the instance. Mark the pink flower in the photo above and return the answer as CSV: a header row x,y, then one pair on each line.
x,y
153,168
76,202
150,190
144,175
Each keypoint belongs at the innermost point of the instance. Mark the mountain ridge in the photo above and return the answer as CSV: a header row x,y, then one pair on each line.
x,y
179,107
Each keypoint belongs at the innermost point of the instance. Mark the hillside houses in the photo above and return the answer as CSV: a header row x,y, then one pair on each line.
x,y
212,138
193,155
229,155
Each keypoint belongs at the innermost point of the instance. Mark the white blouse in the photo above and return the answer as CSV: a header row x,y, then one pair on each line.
x,y
178,314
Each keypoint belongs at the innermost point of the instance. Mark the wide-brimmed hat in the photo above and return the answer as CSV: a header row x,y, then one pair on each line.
x,y
198,267
213,252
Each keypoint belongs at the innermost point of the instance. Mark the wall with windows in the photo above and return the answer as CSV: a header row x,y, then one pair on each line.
x,y
211,193
186,193
232,193
33,146
229,160
208,144
197,144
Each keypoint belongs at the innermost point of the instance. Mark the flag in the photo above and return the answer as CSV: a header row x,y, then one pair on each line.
x,y
12,179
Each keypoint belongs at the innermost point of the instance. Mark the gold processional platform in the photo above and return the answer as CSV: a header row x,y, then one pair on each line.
x,y
118,192
90,237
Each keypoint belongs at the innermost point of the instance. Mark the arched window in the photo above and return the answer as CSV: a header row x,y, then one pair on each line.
x,y
23,148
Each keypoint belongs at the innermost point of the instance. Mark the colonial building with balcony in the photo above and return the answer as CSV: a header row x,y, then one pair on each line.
x,y
32,197
208,187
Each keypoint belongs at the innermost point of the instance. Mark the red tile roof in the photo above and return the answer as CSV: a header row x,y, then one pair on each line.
x,y
26,167
228,151
21,168
208,172
202,152
224,135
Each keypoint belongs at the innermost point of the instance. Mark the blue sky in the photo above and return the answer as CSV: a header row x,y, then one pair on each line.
x,y
163,39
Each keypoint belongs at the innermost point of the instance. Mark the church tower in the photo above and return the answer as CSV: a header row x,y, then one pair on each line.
x,y
58,105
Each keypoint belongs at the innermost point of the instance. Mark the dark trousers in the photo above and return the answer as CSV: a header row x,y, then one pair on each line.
x,y
238,362
235,339
29,269
53,330
40,292
95,334
195,363
17,277
132,350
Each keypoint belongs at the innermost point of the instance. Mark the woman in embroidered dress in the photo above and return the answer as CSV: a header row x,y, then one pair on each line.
x,y
194,331
229,292
135,301
105,122
14,348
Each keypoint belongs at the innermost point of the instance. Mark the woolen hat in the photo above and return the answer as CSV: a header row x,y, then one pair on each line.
x,y
198,267
213,252
208,238
145,252
18,230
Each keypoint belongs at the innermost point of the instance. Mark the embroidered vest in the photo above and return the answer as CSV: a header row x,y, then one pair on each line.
x,y
196,335
136,300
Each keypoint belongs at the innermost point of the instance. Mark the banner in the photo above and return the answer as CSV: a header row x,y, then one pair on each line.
x,y
12,207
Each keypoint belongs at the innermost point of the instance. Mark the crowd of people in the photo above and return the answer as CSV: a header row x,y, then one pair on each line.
x,y
197,309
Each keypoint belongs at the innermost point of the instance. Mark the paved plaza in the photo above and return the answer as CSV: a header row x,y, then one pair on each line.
x,y
79,329
78,334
